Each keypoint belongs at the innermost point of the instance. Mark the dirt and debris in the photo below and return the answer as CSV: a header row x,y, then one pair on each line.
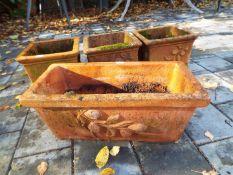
x,y
130,87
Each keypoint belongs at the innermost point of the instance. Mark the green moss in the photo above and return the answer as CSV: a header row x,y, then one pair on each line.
x,y
113,46
146,34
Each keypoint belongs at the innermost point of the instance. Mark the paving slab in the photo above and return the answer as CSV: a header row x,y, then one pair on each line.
x,y
62,36
59,162
227,109
4,79
214,64
37,138
170,158
208,119
214,42
14,90
225,54
7,144
12,120
226,75
222,93
220,155
196,69
85,152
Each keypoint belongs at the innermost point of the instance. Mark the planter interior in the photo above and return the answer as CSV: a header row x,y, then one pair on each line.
x,y
37,56
166,43
120,46
161,33
160,99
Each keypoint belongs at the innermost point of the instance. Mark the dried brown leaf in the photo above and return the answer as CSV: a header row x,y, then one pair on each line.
x,y
42,168
209,135
3,108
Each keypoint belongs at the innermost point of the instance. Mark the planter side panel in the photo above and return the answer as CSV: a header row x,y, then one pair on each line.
x,y
130,54
162,124
174,51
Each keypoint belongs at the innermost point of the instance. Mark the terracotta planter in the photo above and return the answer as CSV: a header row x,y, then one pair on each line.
x,y
113,101
166,43
120,46
37,56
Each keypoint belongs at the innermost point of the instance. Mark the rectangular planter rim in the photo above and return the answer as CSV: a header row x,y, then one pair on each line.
x,y
197,99
164,40
87,50
48,57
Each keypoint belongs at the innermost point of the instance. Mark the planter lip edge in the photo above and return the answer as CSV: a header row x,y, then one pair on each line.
x,y
23,59
200,95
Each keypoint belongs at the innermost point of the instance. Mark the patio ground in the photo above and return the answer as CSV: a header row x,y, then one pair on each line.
x,y
25,141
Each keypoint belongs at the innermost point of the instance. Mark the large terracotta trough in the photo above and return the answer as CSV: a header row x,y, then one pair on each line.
x,y
144,101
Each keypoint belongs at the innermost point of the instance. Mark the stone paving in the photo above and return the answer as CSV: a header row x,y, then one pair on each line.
x,y
25,141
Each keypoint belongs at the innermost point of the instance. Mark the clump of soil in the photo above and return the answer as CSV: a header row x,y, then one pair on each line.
x,y
130,87
134,87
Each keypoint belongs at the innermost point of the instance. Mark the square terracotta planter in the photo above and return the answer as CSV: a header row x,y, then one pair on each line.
x,y
119,46
166,43
37,56
112,101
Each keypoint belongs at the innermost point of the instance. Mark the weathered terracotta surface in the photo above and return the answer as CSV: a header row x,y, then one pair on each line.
x,y
154,117
165,48
119,54
37,56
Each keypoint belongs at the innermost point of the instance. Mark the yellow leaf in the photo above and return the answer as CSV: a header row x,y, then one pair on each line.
x,y
107,171
42,168
115,150
18,105
209,135
102,157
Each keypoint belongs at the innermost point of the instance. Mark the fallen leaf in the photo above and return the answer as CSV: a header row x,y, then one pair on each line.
x,y
18,105
9,61
102,157
14,37
107,171
8,52
212,172
42,168
3,108
231,88
209,135
210,85
115,150
17,97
